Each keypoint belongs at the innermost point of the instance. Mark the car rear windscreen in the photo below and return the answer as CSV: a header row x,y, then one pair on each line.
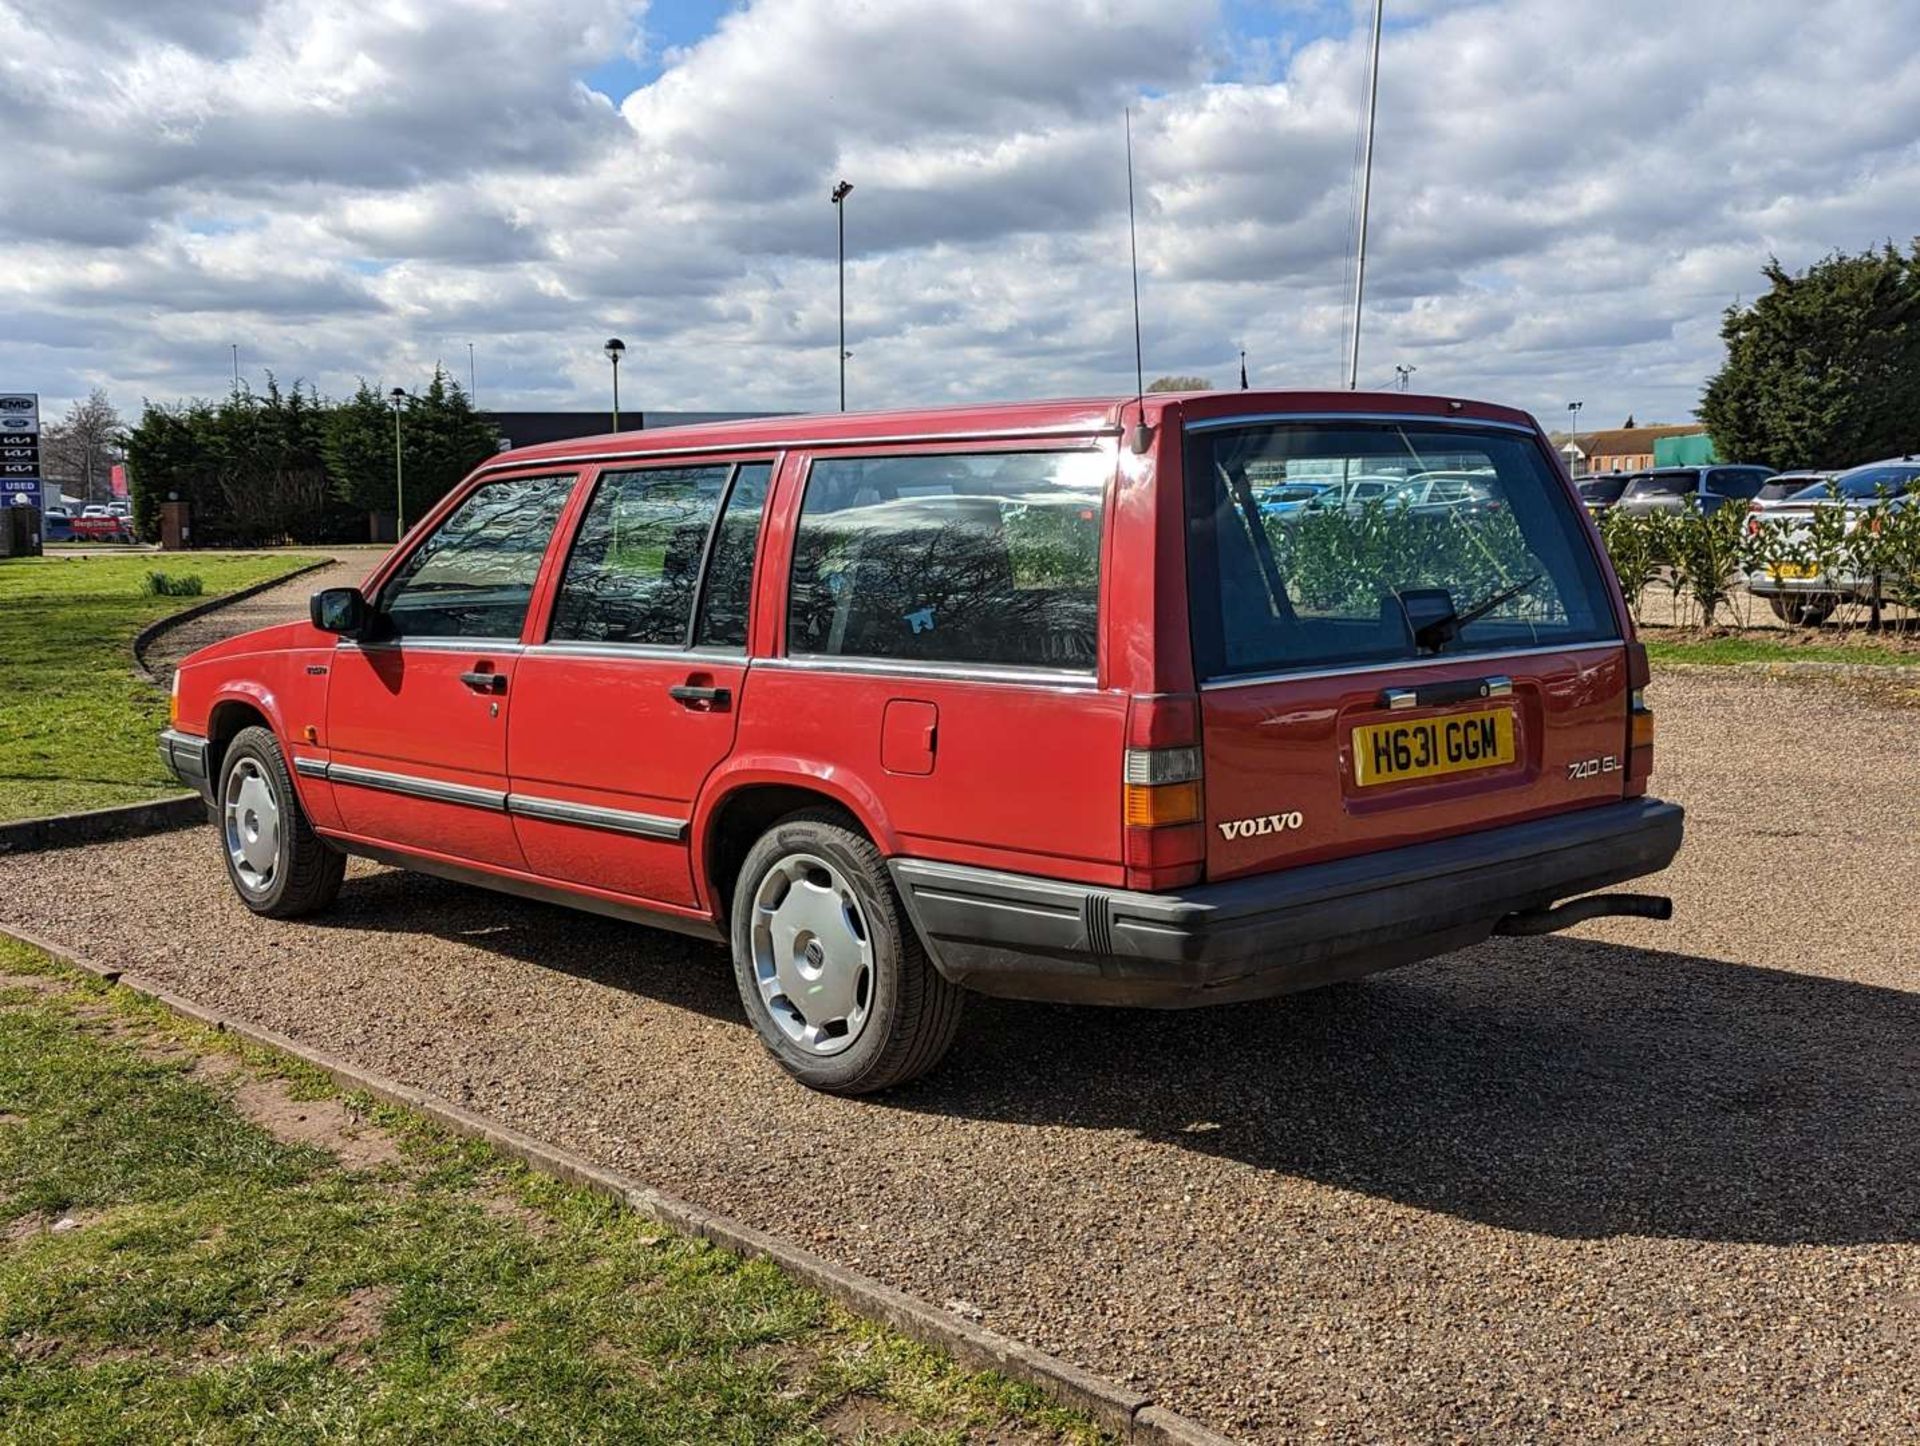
x,y
1665,484
1376,579
1603,489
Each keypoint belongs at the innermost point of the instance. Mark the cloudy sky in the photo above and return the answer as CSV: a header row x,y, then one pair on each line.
x,y
1566,193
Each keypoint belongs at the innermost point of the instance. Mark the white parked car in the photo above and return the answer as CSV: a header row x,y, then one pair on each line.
x,y
1801,591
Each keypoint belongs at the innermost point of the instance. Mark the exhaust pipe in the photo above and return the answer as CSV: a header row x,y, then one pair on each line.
x,y
1578,911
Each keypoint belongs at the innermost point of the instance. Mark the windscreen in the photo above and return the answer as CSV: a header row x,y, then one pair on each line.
x,y
1603,489
1477,548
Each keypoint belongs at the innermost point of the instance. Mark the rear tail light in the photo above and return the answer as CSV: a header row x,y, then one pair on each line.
x,y
1164,808
173,701
1639,720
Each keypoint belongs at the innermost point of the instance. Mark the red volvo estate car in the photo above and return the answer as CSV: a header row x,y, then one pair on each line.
x,y
1052,700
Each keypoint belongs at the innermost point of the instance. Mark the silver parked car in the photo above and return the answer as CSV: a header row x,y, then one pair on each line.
x,y
1674,489
1803,592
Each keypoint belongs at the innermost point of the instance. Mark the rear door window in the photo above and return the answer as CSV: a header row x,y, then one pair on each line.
x,y
971,558
1496,560
635,569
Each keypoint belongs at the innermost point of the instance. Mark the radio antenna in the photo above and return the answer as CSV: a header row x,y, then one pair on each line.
x,y
1142,435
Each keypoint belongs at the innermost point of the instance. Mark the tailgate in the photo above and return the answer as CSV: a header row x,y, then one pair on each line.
x,y
1294,767
1439,661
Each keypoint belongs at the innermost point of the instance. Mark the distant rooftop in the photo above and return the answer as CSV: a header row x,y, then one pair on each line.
x,y
530,429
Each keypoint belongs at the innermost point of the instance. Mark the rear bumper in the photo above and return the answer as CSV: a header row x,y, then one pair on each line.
x,y
1035,938
186,759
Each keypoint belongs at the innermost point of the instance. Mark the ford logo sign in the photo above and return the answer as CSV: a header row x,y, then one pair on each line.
x,y
15,425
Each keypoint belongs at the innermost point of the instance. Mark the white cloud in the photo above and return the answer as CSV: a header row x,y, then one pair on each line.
x,y
1565,197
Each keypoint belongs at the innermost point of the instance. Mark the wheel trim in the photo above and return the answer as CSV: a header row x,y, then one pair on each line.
x,y
812,954
250,819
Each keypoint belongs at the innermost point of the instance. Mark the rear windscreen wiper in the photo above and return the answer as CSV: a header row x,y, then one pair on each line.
x,y
1436,634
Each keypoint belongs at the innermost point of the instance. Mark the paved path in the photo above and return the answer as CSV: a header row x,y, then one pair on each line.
x,y
284,604
1650,1181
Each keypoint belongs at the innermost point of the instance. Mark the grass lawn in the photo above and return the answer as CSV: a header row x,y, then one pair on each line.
x,y
77,724
202,1242
1759,648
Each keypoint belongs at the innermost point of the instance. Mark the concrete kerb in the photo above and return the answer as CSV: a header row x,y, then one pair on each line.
x,y
148,635
96,825
1119,1408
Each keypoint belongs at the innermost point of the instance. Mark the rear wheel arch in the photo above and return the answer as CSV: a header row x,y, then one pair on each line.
x,y
728,828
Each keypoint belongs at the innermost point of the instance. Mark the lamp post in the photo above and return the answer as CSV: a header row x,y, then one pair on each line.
x,y
472,386
1573,429
397,398
840,194
615,349
1403,376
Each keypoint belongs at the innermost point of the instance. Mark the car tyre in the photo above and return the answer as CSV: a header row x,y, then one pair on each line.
x,y
279,866
830,969
1800,611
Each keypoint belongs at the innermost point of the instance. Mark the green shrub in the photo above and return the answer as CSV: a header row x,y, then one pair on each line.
x,y
162,584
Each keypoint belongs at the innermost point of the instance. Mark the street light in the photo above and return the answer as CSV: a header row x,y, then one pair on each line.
x,y
397,398
840,194
615,349
1573,429
1403,376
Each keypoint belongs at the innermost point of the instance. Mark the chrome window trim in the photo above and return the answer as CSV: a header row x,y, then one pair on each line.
x,y
432,789
636,652
1257,419
1400,664
958,672
708,449
431,645
618,820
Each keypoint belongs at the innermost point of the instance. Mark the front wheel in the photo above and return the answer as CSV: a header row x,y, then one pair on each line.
x,y
830,970
279,866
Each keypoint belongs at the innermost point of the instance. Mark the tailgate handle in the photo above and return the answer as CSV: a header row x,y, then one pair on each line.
x,y
1439,695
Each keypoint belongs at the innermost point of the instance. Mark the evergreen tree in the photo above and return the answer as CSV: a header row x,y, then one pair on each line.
x,y
1824,369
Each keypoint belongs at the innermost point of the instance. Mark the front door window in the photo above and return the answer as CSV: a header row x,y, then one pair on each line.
x,y
473,577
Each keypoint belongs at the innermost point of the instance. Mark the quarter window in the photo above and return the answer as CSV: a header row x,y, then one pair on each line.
x,y
989,558
473,576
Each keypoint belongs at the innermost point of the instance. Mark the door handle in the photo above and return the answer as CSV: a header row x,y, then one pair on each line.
x,y
485,680
691,694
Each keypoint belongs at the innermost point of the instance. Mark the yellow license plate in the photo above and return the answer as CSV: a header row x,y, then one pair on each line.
x,y
1798,570
1428,747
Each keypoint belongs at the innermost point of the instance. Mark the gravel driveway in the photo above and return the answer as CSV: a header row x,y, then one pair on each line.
x,y
1648,1181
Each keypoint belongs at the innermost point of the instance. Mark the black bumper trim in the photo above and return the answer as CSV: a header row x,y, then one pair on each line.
x,y
1037,938
186,758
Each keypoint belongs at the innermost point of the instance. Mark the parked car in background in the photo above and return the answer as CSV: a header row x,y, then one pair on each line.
x,y
1785,486
1803,591
1673,489
96,509
1445,492
1026,700
1599,493
97,526
1298,496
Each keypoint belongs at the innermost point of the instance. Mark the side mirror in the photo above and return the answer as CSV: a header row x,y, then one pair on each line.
x,y
341,610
